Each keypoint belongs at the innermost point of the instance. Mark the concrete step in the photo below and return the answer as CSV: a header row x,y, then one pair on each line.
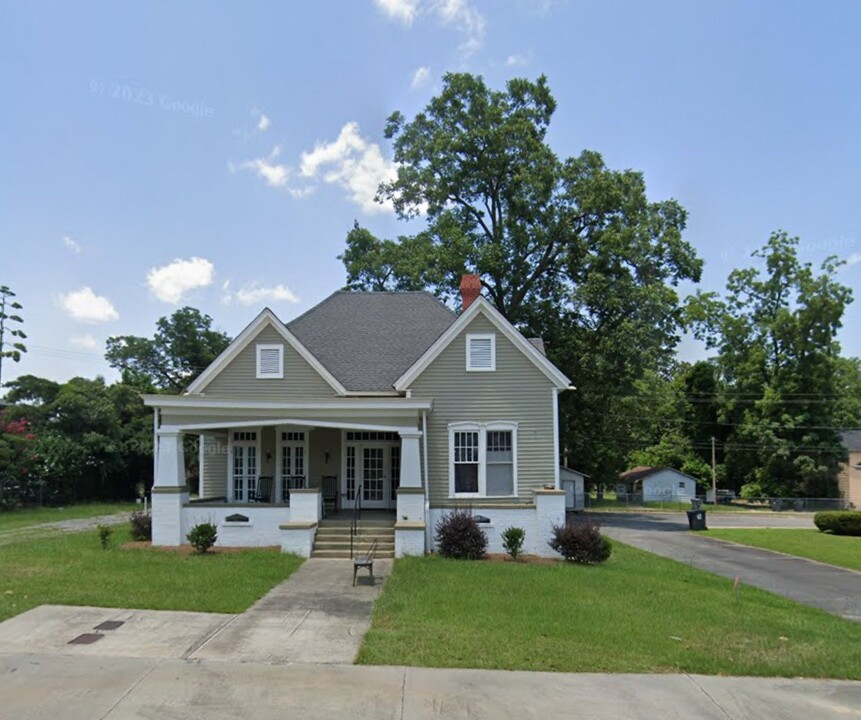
x,y
362,546
345,554
361,526
363,532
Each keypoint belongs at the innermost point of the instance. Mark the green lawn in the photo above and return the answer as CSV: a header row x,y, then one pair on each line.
x,y
832,549
15,519
73,570
637,613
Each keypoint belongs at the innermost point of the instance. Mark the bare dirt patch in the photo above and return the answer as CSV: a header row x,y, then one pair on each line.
x,y
523,559
189,550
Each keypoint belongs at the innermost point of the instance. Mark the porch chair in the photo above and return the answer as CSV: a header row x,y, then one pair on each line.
x,y
365,561
262,493
330,494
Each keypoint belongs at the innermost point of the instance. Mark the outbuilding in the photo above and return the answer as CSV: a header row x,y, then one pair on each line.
x,y
660,484
574,484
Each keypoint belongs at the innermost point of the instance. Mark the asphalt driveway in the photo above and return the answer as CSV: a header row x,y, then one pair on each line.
x,y
829,588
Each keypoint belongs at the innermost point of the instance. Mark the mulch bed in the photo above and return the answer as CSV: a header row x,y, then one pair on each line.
x,y
527,559
189,550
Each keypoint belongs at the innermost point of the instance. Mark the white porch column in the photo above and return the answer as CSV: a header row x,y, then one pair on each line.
x,y
169,492
411,520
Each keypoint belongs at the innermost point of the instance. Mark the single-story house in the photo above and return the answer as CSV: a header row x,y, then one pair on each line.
x,y
385,399
574,485
659,484
850,471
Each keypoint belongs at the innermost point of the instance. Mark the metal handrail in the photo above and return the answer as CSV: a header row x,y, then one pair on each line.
x,y
357,514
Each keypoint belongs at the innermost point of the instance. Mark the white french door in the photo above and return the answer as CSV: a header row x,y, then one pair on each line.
x,y
375,482
292,468
244,465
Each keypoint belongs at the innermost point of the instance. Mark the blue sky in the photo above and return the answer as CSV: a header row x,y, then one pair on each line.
x,y
215,154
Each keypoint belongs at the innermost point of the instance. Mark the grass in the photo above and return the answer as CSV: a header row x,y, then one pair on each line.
x,y
638,613
72,569
25,517
661,506
841,550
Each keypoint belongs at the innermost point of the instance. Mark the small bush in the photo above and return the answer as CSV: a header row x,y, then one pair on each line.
x,y
839,522
581,543
202,537
105,533
141,525
512,541
459,536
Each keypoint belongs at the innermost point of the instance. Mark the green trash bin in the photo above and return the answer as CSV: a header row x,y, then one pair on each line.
x,y
697,519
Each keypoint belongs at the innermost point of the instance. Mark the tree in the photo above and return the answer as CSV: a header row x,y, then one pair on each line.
x,y
183,346
9,328
569,250
775,334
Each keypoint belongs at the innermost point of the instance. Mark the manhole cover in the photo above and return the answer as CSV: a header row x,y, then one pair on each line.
x,y
86,639
110,625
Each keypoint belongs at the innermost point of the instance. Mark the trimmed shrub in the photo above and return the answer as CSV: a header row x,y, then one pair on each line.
x,y
512,541
105,533
141,525
459,536
202,537
839,522
581,543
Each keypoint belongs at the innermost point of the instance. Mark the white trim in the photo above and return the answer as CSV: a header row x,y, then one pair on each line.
x,y
184,401
480,305
242,341
482,428
257,442
279,455
480,336
279,374
201,441
556,458
301,422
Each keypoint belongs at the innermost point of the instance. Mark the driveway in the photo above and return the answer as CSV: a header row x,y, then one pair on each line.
x,y
33,532
829,588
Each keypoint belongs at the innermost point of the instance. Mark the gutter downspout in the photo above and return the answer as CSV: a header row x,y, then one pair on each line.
x,y
426,481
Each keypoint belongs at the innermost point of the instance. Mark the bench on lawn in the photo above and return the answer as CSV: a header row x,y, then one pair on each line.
x,y
365,561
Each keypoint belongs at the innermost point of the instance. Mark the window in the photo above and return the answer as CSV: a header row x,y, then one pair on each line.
x,y
270,361
682,484
481,352
373,436
483,459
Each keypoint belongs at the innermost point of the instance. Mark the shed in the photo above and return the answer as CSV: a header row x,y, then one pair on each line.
x,y
574,484
660,484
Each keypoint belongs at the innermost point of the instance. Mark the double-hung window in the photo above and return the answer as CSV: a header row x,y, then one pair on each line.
x,y
483,459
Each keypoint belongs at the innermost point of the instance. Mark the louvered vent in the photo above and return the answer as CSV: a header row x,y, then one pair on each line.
x,y
269,361
481,355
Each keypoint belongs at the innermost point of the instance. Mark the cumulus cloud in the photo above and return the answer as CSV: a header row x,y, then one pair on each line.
x,y
273,173
517,60
420,77
72,245
352,162
404,11
264,123
853,259
170,282
85,306
254,294
87,342
460,15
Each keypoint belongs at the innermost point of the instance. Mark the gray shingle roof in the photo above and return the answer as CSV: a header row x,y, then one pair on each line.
x,y
851,440
367,340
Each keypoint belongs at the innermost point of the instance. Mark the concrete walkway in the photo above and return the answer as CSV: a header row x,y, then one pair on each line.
x,y
829,588
88,688
33,532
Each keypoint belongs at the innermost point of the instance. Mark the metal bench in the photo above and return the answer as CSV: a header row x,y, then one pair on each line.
x,y
365,561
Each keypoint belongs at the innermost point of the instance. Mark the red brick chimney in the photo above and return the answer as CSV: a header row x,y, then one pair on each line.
x,y
470,289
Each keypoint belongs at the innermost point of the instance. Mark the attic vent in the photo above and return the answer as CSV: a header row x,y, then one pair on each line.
x,y
481,352
270,361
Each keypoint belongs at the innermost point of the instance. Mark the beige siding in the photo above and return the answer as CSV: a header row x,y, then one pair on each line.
x,y
213,482
322,441
239,379
515,391
850,479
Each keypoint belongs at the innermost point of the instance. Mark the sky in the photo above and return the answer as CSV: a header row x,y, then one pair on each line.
x,y
161,154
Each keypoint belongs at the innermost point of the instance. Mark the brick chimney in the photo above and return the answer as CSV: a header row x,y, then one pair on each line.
x,y
470,289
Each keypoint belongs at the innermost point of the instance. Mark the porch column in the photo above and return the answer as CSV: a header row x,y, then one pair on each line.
x,y
410,524
411,465
169,492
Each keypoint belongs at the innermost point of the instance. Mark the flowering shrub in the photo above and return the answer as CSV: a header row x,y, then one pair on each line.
x,y
17,458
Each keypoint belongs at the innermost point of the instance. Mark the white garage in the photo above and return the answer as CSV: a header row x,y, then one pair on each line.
x,y
660,484
574,484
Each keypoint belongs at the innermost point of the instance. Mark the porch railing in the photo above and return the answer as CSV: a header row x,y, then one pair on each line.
x,y
357,515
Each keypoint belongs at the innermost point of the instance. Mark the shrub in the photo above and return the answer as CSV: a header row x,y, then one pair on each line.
x,y
202,537
141,525
512,541
581,543
459,536
839,522
105,533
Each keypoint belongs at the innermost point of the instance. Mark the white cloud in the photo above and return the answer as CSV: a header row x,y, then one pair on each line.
x,y
264,123
85,306
352,162
87,342
170,282
517,60
274,174
72,245
254,294
853,259
421,77
403,10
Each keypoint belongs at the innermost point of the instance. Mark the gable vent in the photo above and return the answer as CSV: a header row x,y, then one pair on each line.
x,y
481,352
270,361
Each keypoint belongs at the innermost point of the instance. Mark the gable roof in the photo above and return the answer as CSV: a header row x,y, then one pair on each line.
x,y
851,440
641,472
482,306
367,340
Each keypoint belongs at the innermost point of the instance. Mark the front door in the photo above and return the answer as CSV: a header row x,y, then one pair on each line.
x,y
375,484
244,468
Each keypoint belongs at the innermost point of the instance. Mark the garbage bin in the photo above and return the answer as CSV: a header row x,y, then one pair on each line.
x,y
697,519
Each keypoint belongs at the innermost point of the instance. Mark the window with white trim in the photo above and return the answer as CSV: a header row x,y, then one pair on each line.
x,y
270,361
481,352
483,459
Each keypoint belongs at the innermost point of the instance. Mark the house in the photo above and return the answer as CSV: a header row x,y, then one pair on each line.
x,y
574,485
660,484
850,471
387,399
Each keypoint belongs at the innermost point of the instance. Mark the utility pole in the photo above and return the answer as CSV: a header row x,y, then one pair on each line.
x,y
714,473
